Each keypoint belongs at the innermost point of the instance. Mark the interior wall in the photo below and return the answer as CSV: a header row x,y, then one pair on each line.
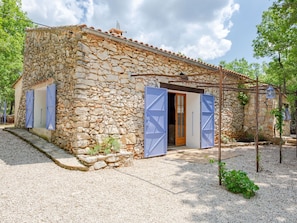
x,y
40,108
193,120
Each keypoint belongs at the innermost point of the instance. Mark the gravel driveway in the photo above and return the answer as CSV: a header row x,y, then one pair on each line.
x,y
163,189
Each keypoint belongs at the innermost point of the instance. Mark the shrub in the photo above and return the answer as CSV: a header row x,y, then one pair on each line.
x,y
237,181
109,145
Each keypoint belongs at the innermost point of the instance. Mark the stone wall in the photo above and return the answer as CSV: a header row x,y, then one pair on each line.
x,y
18,85
267,121
100,85
50,57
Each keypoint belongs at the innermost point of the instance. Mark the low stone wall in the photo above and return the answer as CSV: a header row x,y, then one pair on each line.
x,y
98,162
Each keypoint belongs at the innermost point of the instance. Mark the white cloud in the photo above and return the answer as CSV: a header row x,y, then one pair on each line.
x,y
207,48
55,12
222,24
196,28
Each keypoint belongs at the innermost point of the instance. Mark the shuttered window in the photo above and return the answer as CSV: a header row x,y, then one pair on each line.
x,y
29,108
51,107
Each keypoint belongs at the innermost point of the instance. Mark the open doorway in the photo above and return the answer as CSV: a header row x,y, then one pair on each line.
x,y
176,119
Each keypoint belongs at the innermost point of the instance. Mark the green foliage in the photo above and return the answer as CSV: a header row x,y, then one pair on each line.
x,y
278,114
226,139
211,160
237,181
243,98
109,145
277,39
243,67
13,23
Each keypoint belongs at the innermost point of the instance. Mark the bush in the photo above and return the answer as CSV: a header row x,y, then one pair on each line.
x,y
109,145
237,181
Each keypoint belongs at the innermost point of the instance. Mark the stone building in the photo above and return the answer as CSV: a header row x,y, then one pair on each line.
x,y
267,121
81,85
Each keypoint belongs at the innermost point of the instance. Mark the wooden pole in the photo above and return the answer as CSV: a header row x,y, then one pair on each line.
x,y
220,124
257,124
280,132
296,120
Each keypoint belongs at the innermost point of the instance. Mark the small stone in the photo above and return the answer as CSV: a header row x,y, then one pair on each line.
x,y
117,164
112,159
88,159
99,165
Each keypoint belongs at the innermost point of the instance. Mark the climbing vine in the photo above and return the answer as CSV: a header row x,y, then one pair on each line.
x,y
278,114
242,96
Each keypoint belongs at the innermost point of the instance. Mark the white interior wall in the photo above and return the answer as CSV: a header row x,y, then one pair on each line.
x,y
193,120
40,108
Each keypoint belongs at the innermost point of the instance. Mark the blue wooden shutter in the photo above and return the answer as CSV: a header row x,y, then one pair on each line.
x,y
155,122
29,108
207,121
51,107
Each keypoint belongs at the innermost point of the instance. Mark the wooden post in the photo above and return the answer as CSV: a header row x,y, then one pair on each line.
x,y
257,124
220,124
280,132
296,120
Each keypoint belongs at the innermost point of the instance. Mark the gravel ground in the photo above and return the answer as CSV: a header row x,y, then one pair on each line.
x,y
163,189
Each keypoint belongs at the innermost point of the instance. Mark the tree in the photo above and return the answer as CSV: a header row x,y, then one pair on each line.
x,y
276,39
277,36
244,67
13,22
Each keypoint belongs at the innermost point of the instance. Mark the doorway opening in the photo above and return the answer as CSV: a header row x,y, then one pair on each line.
x,y
176,119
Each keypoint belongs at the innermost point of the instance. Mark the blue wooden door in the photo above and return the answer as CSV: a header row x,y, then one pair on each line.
x,y
207,121
29,108
155,122
51,107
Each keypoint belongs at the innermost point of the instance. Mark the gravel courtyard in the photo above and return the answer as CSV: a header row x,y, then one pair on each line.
x,y
162,189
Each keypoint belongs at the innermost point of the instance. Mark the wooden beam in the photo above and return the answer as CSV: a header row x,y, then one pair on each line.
x,y
181,88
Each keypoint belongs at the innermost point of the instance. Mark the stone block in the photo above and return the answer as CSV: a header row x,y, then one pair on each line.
x,y
81,136
87,160
118,69
130,139
112,78
99,165
81,110
103,56
139,86
112,158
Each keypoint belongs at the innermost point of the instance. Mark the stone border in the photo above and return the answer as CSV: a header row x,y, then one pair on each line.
x,y
97,162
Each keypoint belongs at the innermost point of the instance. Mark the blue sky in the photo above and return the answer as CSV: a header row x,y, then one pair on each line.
x,y
244,30
213,30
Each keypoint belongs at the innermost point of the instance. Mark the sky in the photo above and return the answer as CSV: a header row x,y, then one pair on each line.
x,y
212,30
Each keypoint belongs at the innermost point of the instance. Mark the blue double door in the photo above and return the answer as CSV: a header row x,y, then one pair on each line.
x,y
156,121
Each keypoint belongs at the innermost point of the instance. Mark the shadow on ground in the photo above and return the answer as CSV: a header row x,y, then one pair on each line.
x,y
274,202
14,151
